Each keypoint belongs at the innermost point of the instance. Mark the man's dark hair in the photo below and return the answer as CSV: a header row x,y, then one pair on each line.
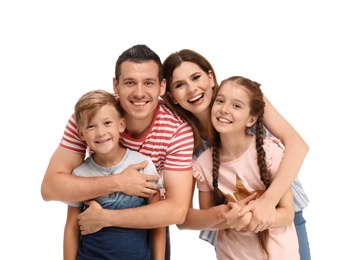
x,y
138,54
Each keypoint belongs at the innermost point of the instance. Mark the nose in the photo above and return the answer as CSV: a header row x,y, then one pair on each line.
x,y
224,109
191,87
100,131
138,91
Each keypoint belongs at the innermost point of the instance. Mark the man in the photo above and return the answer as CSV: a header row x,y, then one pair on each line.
x,y
151,129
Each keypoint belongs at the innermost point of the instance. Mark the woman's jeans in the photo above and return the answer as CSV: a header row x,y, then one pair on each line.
x,y
300,224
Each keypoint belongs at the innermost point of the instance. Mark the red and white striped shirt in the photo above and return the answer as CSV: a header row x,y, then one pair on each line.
x,y
169,141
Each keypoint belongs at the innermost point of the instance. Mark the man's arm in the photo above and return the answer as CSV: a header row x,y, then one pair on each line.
x,y
59,184
172,210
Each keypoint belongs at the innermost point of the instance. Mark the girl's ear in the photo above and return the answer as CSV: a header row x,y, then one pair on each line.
x,y
251,121
169,95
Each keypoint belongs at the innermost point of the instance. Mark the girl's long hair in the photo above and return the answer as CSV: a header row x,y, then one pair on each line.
x,y
257,105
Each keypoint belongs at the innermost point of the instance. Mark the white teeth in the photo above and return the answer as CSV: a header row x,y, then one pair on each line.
x,y
139,103
195,98
224,120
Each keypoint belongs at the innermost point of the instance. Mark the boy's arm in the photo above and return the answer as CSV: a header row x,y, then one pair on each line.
x,y
59,184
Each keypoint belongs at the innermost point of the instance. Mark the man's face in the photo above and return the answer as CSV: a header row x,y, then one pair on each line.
x,y
139,90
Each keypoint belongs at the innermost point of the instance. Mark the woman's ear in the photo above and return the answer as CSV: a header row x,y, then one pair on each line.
x,y
211,78
169,95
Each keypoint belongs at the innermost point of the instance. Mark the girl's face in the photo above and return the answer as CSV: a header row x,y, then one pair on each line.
x,y
192,88
231,109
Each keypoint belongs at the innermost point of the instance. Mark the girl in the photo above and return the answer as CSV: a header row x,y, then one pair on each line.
x,y
239,164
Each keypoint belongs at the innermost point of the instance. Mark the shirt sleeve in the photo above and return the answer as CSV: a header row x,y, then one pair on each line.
x,y
180,150
202,183
274,154
71,140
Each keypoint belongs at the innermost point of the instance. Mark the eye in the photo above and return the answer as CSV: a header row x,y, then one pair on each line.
x,y
149,83
107,123
90,126
196,77
129,83
179,85
219,100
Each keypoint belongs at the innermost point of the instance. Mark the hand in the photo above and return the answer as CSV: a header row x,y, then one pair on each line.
x,y
263,215
132,182
233,220
91,220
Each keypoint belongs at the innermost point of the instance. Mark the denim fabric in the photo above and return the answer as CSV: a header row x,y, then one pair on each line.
x,y
168,246
300,224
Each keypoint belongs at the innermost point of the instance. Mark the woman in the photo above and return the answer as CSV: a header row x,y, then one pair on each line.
x,y
191,81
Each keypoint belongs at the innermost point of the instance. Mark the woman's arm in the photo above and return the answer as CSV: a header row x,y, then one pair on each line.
x,y
284,212
296,149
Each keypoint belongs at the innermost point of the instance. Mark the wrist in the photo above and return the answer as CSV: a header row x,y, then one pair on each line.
x,y
107,219
270,198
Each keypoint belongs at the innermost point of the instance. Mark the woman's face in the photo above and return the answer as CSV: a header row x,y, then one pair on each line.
x,y
192,88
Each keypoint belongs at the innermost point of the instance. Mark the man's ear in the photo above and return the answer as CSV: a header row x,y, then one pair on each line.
x,y
162,89
115,85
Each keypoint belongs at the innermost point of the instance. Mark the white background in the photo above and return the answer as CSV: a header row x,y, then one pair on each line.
x,y
54,51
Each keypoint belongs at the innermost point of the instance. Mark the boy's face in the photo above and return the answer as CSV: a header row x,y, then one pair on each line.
x,y
139,90
102,131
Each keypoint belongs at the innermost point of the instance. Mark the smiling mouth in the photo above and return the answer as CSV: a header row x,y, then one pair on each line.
x,y
103,141
195,99
223,120
139,103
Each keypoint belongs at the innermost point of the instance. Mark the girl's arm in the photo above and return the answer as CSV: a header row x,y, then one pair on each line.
x,y
205,217
213,217
71,233
157,235
296,149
